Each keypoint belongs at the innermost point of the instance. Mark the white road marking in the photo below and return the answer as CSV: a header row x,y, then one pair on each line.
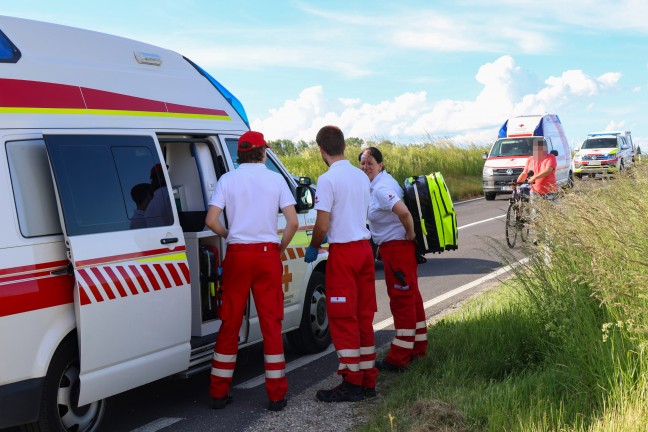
x,y
481,221
259,380
158,424
301,361
436,300
467,201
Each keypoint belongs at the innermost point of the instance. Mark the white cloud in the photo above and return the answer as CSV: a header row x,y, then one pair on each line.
x,y
636,89
507,89
615,126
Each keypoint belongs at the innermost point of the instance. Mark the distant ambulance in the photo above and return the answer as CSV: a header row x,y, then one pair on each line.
x,y
508,155
604,153
109,152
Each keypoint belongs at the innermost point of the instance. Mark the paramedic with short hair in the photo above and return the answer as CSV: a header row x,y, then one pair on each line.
x,y
251,196
392,229
341,201
543,164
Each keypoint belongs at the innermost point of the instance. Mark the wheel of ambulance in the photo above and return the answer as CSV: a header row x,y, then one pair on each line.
x,y
313,335
579,176
570,180
59,411
490,196
511,225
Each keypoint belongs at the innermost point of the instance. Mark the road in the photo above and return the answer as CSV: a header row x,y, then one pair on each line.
x,y
182,405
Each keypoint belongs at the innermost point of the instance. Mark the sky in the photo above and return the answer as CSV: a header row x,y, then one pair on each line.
x,y
408,71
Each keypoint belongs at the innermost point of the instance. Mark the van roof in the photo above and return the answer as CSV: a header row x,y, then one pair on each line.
x,y
70,77
528,125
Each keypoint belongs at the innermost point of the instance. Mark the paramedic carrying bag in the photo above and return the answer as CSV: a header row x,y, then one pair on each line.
x,y
435,221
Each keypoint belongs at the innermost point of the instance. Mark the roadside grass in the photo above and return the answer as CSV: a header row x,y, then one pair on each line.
x,y
460,166
560,346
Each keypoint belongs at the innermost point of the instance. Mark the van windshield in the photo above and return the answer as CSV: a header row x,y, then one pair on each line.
x,y
597,143
512,147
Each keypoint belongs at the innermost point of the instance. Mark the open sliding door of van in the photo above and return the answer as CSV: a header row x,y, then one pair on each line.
x,y
132,294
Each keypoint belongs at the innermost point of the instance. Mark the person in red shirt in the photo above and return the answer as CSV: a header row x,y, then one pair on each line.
x,y
543,165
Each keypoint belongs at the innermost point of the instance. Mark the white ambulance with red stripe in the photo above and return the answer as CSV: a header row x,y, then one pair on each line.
x,y
109,152
508,155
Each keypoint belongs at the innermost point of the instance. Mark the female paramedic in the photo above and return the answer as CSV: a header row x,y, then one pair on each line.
x,y
392,229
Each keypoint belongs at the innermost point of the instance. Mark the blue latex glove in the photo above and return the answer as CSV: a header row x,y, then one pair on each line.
x,y
325,240
311,254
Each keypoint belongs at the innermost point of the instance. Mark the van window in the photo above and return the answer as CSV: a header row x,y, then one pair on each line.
x,y
33,189
512,147
232,146
109,183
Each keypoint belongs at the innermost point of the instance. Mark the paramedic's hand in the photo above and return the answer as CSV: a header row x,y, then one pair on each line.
x,y
311,254
411,236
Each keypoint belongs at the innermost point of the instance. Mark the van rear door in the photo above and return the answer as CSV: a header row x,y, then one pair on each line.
x,y
132,294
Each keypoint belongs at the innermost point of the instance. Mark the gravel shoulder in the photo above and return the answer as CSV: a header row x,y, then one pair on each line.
x,y
306,414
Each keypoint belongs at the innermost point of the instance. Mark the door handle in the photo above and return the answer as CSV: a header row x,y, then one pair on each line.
x,y
169,240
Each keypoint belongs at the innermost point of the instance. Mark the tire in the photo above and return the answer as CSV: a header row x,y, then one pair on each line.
x,y
490,196
511,229
570,180
59,411
313,334
579,176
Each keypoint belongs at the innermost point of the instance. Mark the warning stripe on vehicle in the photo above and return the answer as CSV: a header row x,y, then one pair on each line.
x,y
105,283
37,97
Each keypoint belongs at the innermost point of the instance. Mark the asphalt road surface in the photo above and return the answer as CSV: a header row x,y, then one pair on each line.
x,y
176,405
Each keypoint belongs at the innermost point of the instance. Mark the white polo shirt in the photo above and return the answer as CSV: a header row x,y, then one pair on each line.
x,y
252,196
343,191
383,223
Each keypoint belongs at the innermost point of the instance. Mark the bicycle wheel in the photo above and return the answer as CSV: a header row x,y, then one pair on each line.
x,y
524,223
511,228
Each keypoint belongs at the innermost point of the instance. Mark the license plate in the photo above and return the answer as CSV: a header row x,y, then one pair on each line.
x,y
596,163
506,188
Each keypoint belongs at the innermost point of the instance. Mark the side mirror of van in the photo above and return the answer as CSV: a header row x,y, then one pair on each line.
x,y
305,195
485,156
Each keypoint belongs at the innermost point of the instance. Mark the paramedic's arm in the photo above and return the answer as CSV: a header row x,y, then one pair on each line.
x,y
213,221
321,228
292,224
400,210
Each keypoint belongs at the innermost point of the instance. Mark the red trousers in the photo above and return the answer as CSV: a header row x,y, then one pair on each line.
x,y
351,305
257,266
399,258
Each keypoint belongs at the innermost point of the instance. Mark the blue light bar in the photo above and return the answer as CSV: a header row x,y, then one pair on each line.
x,y
8,51
236,104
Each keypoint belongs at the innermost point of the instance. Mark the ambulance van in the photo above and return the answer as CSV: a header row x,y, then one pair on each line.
x,y
508,155
109,152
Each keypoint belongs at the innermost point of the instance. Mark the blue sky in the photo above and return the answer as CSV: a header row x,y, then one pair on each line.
x,y
406,71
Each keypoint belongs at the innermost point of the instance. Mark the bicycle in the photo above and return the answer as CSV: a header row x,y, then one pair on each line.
x,y
518,215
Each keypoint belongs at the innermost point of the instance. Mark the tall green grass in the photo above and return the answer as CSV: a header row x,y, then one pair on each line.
x,y
460,166
561,346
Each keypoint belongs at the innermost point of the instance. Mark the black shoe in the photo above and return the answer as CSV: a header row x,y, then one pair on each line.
x,y
385,366
345,392
369,392
420,259
277,405
220,403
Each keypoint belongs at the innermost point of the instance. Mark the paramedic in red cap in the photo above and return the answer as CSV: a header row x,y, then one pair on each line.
x,y
251,197
392,229
341,202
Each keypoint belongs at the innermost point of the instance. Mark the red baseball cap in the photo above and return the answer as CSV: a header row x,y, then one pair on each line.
x,y
251,140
